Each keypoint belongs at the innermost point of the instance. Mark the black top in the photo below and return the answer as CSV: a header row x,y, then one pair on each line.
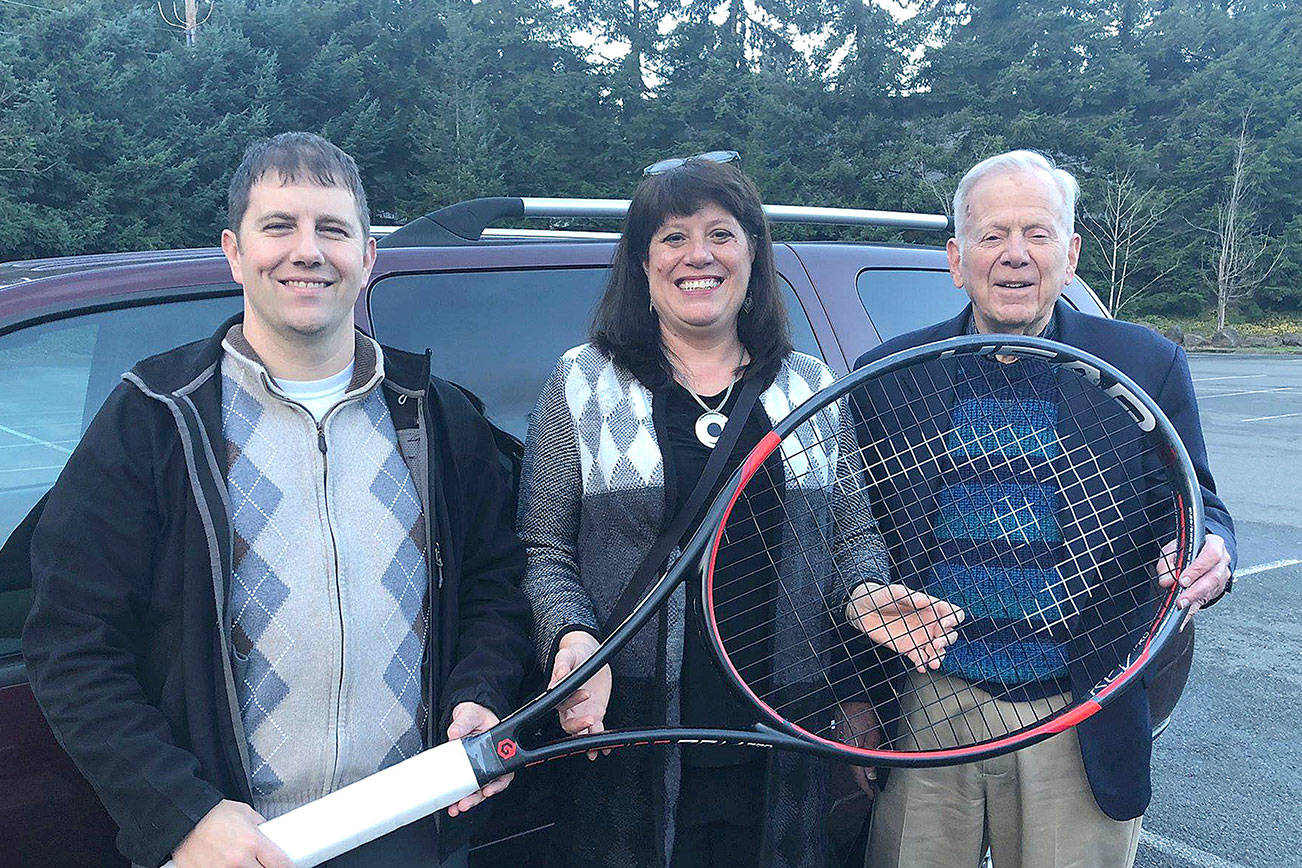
x,y
742,577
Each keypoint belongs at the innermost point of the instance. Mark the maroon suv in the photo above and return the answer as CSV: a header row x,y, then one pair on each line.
x,y
495,309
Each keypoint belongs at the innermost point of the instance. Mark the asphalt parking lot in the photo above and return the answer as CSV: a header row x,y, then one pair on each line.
x,y
1227,773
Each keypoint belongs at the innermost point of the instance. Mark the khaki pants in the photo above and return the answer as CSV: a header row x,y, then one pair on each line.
x,y
1032,808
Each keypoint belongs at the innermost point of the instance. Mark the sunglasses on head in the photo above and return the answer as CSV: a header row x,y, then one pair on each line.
x,y
668,165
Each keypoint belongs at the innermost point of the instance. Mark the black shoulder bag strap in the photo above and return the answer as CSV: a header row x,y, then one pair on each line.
x,y
670,536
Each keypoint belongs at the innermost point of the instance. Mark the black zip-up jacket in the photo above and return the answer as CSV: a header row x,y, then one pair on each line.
x,y
127,642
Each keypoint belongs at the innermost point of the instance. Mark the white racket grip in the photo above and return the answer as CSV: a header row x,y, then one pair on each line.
x,y
374,806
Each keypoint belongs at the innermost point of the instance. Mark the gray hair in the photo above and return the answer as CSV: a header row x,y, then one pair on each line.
x,y
1032,161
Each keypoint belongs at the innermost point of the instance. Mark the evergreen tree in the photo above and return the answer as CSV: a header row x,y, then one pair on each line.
x,y
116,134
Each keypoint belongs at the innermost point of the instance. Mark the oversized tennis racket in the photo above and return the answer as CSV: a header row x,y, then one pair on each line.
x,y
1025,484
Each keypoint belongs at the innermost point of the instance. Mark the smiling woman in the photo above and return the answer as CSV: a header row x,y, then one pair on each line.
x,y
623,433
700,224
698,271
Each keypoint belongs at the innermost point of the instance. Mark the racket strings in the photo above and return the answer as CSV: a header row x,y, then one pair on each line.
x,y
864,487
939,462
820,629
731,539
763,638
760,592
801,701
836,684
994,715
1066,578
1120,661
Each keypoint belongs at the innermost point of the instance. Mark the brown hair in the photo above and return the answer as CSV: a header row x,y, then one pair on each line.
x,y
295,156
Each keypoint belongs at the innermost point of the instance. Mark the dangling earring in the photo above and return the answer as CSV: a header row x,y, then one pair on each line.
x,y
747,303
650,305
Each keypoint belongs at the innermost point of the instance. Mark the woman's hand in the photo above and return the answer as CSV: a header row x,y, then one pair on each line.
x,y
584,711
911,623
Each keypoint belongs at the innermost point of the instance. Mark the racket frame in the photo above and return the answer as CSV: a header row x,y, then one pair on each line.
x,y
1143,411
499,751
442,775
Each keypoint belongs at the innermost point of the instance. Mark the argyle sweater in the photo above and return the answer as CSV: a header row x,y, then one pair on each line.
x,y
328,587
592,503
997,531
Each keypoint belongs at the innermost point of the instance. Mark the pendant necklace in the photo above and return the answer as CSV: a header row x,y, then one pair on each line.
x,y
710,424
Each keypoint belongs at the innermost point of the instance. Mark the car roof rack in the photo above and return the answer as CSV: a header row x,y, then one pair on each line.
x,y
466,221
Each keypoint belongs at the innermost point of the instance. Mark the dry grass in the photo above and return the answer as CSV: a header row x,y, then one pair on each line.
x,y
1272,326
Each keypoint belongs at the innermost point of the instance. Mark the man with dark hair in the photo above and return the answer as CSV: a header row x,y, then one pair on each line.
x,y
280,559
1078,797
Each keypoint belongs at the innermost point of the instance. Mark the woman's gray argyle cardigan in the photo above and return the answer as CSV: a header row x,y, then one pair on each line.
x,y
592,502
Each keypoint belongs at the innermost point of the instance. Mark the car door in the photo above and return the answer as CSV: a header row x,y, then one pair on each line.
x,y
60,356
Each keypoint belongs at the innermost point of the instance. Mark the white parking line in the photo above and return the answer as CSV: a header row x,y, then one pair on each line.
x,y
1248,392
1264,418
1261,568
30,445
31,469
1235,377
1189,854
55,446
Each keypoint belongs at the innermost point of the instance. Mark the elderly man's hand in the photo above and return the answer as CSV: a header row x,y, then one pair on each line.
x,y
917,625
1203,580
857,725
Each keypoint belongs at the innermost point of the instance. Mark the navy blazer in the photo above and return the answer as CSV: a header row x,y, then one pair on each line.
x,y
1116,743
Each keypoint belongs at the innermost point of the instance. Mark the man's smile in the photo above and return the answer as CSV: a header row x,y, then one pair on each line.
x,y
303,283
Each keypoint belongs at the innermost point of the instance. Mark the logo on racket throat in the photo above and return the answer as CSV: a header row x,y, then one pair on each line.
x,y
1117,391
506,748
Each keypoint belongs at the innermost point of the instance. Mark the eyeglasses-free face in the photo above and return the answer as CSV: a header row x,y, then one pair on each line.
x,y
668,165
698,270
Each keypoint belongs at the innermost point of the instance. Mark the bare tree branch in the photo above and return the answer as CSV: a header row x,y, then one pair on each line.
x,y
1125,230
188,20
1240,248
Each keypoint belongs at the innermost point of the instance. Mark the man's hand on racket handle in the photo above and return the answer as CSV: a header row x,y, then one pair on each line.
x,y
912,623
1203,580
228,837
856,724
471,718
584,711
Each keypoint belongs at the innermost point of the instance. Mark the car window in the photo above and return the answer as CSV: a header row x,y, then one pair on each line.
x,y
499,333
53,378
901,300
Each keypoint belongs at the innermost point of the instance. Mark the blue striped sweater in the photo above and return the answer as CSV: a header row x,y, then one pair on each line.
x,y
997,530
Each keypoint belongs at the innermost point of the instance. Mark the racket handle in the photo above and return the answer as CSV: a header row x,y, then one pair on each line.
x,y
374,806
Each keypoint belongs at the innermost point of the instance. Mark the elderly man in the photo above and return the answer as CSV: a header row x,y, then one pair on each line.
x,y
281,558
1077,797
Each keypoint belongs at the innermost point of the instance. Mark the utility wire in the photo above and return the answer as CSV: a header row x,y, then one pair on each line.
x,y
30,6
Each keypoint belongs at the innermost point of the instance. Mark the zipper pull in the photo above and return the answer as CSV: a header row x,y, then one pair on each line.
x,y
320,438
438,566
